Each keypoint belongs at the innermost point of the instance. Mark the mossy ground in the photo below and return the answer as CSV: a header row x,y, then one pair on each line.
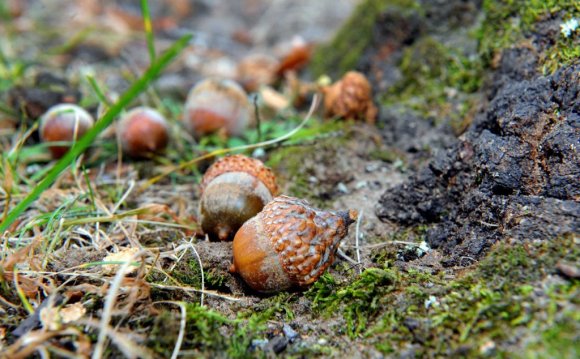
x,y
512,303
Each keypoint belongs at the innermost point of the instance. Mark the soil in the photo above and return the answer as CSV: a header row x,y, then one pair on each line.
x,y
468,195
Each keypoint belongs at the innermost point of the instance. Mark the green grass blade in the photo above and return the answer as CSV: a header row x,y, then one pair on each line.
x,y
135,89
148,29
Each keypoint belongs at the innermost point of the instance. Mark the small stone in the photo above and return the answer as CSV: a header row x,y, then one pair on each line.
x,y
568,270
290,333
487,348
341,187
277,345
259,153
322,341
431,302
259,343
372,167
360,184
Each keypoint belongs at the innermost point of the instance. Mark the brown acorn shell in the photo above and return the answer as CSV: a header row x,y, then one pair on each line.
x,y
143,131
64,122
215,105
241,163
291,234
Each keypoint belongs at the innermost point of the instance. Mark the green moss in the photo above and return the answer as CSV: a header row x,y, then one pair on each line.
x,y
483,312
296,163
386,155
432,74
507,23
357,301
209,331
485,306
345,50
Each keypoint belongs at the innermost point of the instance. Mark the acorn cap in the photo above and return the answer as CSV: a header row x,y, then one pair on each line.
x,y
308,239
303,239
241,163
351,97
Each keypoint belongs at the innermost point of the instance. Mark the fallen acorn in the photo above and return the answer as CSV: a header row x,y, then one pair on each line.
x,y
143,131
350,98
217,105
64,123
233,190
288,244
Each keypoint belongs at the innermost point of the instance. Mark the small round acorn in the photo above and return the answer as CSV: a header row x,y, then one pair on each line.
x,y
233,190
288,244
143,131
217,105
64,123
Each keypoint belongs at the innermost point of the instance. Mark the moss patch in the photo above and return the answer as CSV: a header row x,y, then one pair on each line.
x,y
483,311
437,81
510,22
344,51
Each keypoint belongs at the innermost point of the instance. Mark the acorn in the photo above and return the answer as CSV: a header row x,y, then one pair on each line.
x,y
217,105
350,98
288,244
256,70
233,190
64,123
142,132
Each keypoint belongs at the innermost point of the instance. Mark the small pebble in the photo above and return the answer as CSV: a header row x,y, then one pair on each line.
x,y
375,185
259,343
277,344
372,167
341,187
313,180
322,341
259,153
568,270
290,333
360,184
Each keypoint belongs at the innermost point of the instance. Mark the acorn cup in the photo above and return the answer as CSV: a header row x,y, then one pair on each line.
x,y
233,190
288,244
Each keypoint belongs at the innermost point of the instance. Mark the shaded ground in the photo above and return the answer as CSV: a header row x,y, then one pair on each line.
x,y
468,185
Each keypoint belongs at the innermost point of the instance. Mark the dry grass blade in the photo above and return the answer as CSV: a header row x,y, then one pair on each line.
x,y
109,304
35,341
182,324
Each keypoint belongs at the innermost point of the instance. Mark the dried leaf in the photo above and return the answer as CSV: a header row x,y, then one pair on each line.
x,y
124,255
274,99
72,312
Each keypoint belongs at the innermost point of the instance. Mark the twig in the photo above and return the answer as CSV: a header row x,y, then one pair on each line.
x,y
345,256
357,234
258,120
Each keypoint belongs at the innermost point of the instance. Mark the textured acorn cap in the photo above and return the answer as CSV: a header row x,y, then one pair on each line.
x,y
241,163
351,97
303,241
